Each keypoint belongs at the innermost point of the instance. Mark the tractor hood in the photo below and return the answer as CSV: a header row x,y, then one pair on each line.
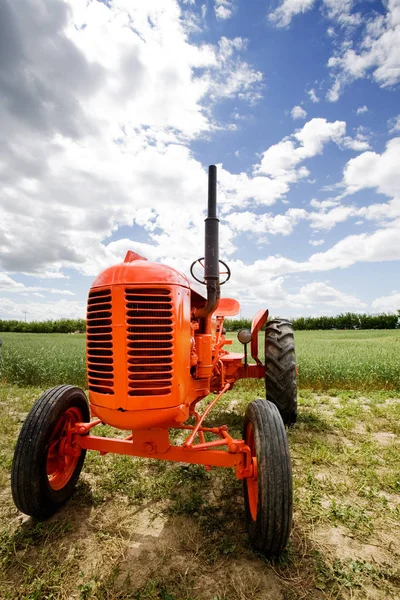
x,y
137,269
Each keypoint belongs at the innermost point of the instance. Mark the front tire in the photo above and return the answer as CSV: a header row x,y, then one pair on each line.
x,y
268,495
43,477
280,369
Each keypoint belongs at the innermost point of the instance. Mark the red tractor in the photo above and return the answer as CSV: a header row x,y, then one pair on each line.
x,y
155,348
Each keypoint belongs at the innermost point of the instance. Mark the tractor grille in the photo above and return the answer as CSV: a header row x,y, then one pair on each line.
x,y
149,320
99,343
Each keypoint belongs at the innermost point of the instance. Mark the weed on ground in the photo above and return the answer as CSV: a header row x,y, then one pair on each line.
x,y
150,530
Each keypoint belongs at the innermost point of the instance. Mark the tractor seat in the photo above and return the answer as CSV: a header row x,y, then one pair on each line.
x,y
227,307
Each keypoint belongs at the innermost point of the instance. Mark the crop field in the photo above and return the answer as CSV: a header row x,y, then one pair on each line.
x,y
352,360
139,529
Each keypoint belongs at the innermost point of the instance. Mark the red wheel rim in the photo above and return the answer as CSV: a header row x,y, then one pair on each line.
x,y
252,482
61,466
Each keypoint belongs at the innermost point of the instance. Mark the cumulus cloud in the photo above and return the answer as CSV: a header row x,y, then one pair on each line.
x,y
389,303
368,170
95,151
223,9
298,113
316,242
373,170
42,311
340,11
283,14
376,55
313,96
328,220
324,204
282,159
86,143
359,143
381,245
258,284
7,284
316,293
373,54
280,165
362,109
266,223
394,124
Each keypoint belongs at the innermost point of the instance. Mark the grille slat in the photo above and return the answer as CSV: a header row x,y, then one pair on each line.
x,y
149,320
99,342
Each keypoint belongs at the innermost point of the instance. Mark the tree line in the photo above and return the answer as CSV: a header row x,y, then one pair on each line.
x,y
343,321
59,326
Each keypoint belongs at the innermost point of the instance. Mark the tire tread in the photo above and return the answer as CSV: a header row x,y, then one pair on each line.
x,y
271,530
280,368
30,494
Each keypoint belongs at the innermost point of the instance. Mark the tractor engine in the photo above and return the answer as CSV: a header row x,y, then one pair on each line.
x,y
139,344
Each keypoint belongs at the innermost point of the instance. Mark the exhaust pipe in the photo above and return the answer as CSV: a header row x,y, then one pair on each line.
x,y
211,250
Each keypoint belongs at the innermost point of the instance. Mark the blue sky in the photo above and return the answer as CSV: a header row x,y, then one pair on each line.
x,y
112,111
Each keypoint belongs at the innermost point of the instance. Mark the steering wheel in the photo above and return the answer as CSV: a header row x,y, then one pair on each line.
x,y
227,271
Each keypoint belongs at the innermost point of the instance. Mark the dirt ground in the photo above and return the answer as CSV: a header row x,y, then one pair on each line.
x,y
141,531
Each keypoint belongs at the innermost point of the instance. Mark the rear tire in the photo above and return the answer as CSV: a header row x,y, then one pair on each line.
x,y
42,477
268,496
280,369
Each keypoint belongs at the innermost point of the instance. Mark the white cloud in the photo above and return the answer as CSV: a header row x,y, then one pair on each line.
x,y
282,15
373,170
320,293
327,220
316,242
394,124
236,78
359,143
313,96
324,204
42,311
256,284
281,160
381,245
337,10
280,166
387,303
340,11
7,284
376,55
239,190
362,109
95,147
223,9
298,113
264,224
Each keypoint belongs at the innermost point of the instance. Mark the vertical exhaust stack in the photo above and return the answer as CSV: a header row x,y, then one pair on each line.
x,y
211,252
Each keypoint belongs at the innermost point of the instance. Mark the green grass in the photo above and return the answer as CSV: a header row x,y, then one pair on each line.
x,y
44,359
352,360
345,452
344,544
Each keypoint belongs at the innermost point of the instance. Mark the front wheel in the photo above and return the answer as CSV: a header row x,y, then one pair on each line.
x,y
43,476
268,494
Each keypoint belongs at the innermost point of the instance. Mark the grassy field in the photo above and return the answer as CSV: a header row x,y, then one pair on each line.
x,y
140,529
147,530
353,360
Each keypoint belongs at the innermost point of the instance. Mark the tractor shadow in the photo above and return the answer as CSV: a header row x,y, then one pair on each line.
x,y
194,545
184,538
